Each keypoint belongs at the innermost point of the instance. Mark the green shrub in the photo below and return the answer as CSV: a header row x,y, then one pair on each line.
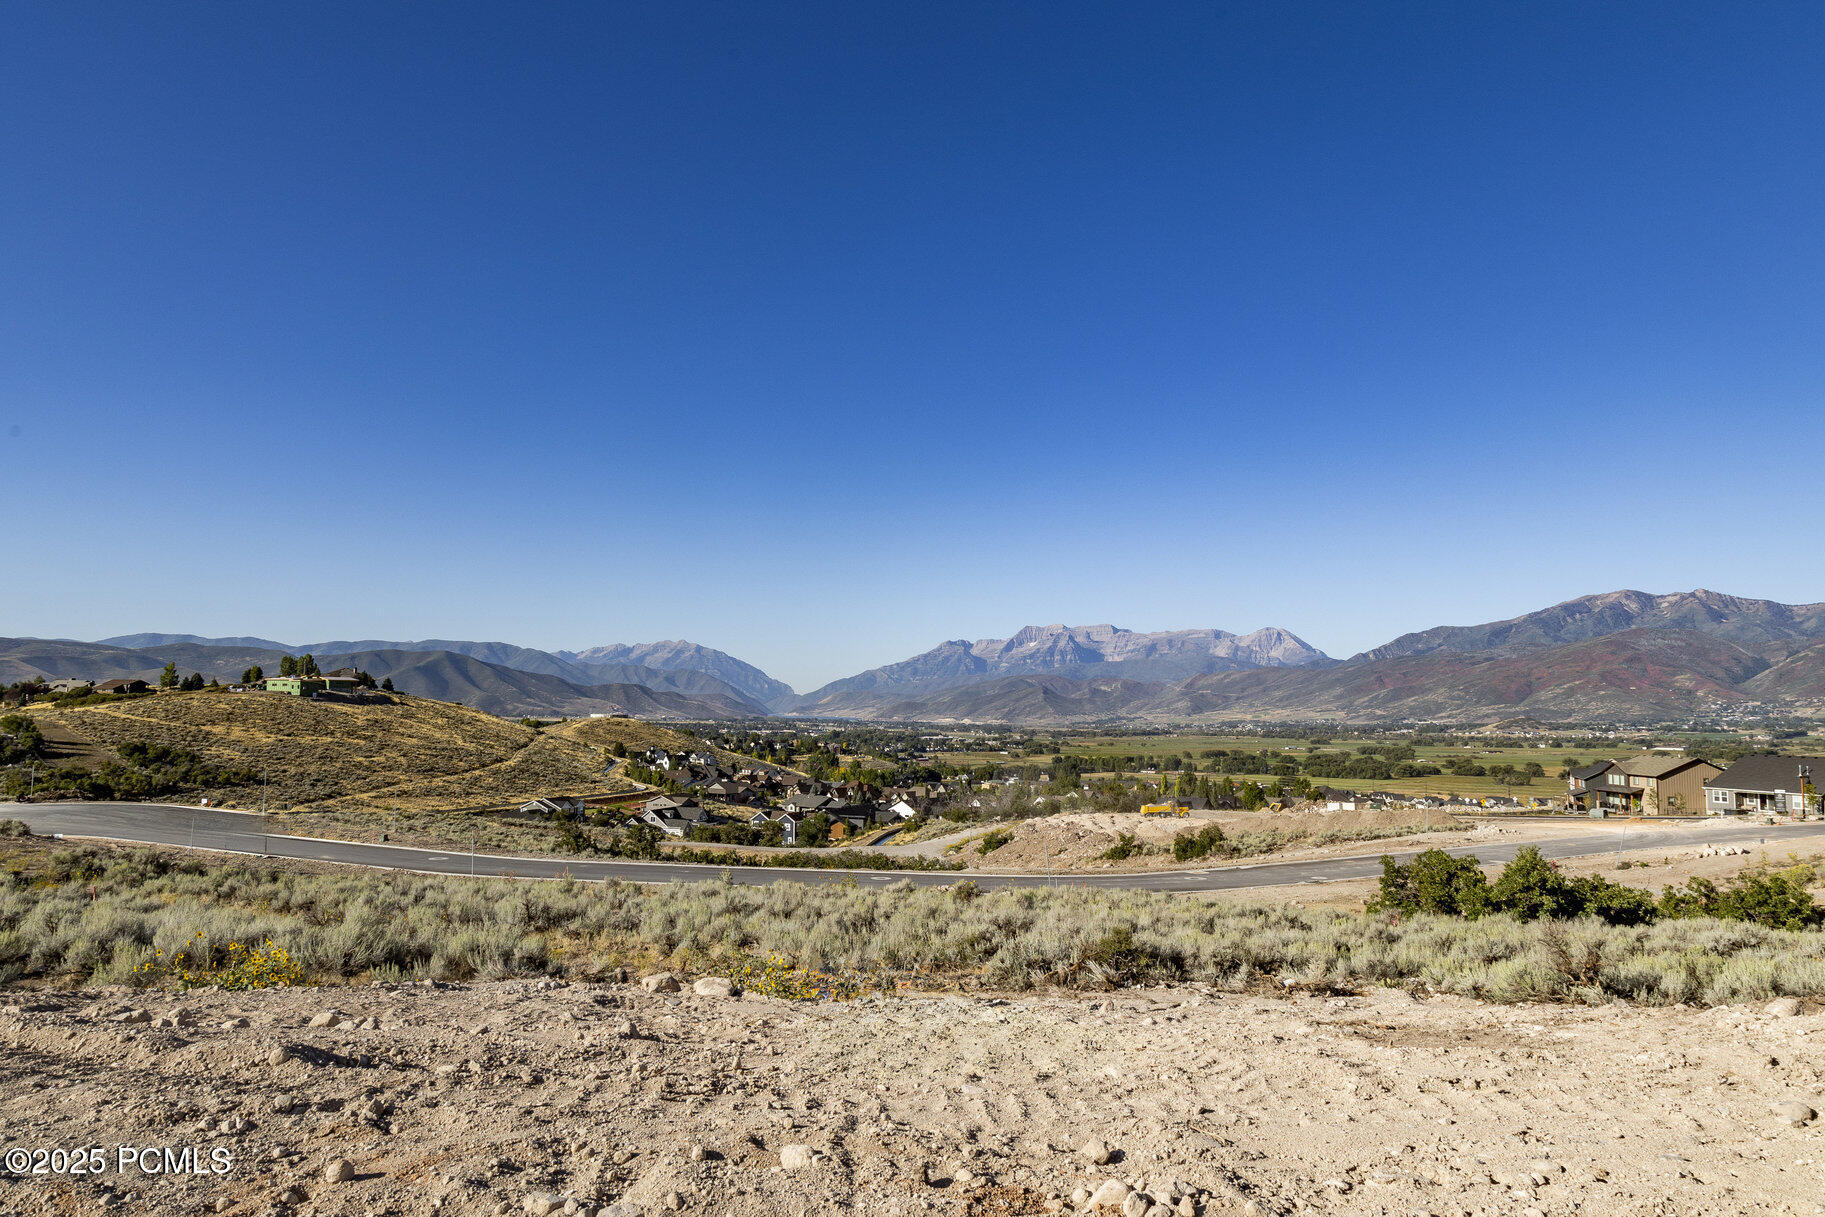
x,y
1434,882
1188,846
1531,887
994,841
1123,849
1614,903
1779,901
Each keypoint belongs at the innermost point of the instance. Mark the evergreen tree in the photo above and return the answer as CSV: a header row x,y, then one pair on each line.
x,y
288,666
387,684
168,679
253,675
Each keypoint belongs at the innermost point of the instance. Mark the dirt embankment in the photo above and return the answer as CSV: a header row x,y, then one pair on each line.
x,y
524,1097
1079,841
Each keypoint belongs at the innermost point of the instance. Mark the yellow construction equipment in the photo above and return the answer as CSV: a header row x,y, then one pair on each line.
x,y
1164,809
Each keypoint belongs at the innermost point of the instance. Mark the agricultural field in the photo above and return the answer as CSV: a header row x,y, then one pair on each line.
x,y
1105,750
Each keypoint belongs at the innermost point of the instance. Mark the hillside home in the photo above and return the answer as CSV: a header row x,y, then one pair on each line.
x,y
71,685
678,819
294,686
788,823
122,684
1656,784
1756,784
559,806
808,804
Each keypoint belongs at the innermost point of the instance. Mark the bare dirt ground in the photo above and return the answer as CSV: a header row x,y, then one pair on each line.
x,y
541,1096
1077,841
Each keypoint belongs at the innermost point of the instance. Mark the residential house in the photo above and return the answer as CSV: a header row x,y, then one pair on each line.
x,y
342,680
1654,784
679,818
122,684
809,804
560,806
1757,784
294,686
857,817
788,822
70,684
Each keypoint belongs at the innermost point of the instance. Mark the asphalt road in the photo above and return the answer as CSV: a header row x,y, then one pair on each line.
x,y
240,832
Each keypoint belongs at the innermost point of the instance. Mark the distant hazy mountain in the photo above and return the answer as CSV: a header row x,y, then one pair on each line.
x,y
165,640
1755,624
446,675
564,664
450,676
1096,652
1636,676
680,656
1624,656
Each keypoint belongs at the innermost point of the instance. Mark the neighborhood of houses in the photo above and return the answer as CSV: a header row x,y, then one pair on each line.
x,y
1674,784
705,791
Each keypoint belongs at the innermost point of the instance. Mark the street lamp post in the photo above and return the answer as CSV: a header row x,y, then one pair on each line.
x,y
265,832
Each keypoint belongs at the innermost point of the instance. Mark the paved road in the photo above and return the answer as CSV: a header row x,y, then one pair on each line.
x,y
238,832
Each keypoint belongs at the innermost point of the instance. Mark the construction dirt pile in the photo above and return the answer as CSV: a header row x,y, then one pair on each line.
x,y
610,1099
1078,841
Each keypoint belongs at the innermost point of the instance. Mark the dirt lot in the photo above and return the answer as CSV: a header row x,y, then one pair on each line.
x,y
1078,841
481,1099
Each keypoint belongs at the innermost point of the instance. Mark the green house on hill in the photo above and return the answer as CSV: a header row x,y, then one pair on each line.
x,y
297,686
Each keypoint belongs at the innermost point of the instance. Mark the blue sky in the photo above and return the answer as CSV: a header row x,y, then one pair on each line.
x,y
821,333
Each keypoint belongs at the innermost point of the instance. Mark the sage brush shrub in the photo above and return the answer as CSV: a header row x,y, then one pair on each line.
x,y
398,927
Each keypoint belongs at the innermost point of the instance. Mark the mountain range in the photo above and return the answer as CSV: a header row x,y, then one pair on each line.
x,y
1624,656
523,682
1094,652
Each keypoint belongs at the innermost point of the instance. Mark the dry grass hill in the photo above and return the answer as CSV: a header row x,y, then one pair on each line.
x,y
406,753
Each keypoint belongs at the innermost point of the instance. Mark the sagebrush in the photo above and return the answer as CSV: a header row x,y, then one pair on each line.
x,y
96,915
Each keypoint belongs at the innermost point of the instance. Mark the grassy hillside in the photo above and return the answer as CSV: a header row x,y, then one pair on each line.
x,y
408,753
631,733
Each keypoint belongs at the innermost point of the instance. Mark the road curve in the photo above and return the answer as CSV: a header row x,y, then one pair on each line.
x,y
240,832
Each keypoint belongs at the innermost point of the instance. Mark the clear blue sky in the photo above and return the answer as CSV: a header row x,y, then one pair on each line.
x,y
821,333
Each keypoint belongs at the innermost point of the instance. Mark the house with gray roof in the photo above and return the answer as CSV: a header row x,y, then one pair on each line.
x,y
1781,785
1656,784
